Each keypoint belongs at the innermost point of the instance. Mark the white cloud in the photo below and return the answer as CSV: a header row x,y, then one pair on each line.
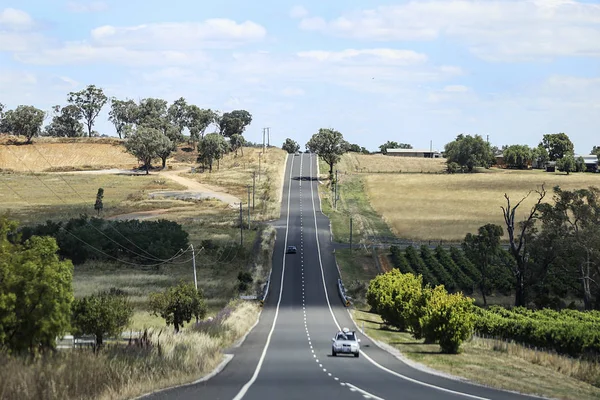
x,y
84,53
16,42
16,78
370,70
14,19
298,12
211,33
86,6
400,57
497,30
167,44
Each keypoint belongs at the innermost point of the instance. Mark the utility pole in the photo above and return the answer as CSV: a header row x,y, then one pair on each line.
x,y
268,137
195,276
488,138
248,207
194,264
351,234
253,189
241,225
336,189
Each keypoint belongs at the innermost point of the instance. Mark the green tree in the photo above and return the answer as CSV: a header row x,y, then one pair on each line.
x,y
483,251
145,144
178,304
90,102
575,218
393,145
518,156
199,120
290,146
165,147
558,145
595,150
104,314
540,155
234,122
36,291
23,121
98,206
212,147
580,164
448,319
151,112
237,142
567,164
392,295
178,114
123,114
65,124
330,145
469,152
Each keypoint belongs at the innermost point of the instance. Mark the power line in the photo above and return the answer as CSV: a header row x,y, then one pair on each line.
x,y
152,257
177,255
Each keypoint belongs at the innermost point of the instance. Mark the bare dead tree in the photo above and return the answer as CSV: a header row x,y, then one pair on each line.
x,y
517,236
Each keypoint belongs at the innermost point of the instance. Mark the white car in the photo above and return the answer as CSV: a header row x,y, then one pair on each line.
x,y
345,342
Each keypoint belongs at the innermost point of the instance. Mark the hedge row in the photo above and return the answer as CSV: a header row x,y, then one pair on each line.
x,y
429,313
569,332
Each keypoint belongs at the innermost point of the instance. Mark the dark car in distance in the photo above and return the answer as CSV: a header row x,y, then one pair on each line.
x,y
291,250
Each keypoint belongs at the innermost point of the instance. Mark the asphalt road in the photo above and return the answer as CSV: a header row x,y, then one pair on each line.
x,y
288,354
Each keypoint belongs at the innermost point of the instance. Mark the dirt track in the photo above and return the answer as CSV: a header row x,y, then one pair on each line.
x,y
195,190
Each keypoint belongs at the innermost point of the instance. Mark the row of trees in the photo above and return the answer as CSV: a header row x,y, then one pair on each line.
x,y
467,152
37,304
152,127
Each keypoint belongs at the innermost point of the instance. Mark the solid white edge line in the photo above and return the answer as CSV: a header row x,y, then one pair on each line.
x,y
338,325
248,384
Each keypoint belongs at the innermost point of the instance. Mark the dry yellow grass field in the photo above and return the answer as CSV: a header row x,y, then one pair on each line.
x,y
378,163
235,173
48,156
447,207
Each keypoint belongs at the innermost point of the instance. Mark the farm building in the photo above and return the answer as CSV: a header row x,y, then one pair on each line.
x,y
591,162
413,153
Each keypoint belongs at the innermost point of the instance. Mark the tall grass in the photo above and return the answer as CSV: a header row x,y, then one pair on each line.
x,y
583,370
125,370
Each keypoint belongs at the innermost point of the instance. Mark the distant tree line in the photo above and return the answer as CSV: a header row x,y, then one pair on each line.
x,y
467,152
151,127
84,238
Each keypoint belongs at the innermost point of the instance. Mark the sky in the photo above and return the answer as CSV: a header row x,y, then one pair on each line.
x,y
418,72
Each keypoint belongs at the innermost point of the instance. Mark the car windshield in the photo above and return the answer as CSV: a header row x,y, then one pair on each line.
x,y
346,336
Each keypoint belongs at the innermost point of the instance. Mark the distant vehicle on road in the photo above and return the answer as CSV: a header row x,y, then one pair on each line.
x,y
291,250
297,153
345,342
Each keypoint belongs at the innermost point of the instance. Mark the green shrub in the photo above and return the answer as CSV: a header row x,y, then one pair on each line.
x,y
448,319
391,295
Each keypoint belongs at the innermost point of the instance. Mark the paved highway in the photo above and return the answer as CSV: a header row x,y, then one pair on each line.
x,y
288,354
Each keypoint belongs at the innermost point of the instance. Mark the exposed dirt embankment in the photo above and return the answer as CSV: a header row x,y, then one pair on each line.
x,y
57,156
